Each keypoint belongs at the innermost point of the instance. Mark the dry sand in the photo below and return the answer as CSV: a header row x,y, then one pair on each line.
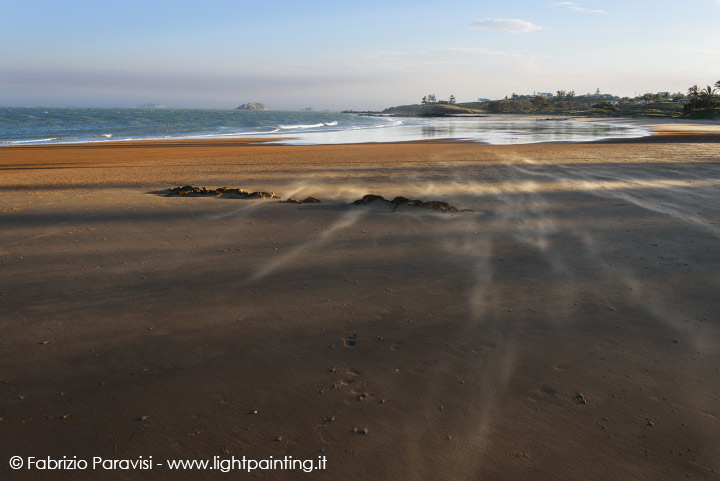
x,y
565,329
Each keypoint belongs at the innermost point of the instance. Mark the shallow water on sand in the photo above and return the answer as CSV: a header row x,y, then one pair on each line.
x,y
485,130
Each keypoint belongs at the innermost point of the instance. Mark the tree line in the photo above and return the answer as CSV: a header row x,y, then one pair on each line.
x,y
696,98
431,99
707,98
699,98
560,101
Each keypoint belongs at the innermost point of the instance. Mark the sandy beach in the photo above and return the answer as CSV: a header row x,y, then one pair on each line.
x,y
565,328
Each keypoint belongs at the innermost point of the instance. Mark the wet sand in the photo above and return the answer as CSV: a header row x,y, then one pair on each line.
x,y
567,328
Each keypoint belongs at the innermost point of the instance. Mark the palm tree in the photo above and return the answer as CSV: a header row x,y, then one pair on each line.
x,y
717,84
693,94
708,96
571,98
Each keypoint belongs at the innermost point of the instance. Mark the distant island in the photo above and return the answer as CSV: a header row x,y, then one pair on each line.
x,y
151,106
252,106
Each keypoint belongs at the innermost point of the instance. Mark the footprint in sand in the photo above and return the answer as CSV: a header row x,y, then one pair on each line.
x,y
350,340
543,392
342,383
348,376
359,394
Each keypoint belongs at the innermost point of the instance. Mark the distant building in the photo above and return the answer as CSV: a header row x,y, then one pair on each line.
x,y
546,95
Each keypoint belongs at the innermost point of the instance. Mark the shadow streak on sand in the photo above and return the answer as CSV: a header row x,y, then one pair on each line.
x,y
649,171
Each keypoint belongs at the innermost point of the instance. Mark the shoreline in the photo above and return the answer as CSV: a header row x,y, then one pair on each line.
x,y
136,162
659,134
655,126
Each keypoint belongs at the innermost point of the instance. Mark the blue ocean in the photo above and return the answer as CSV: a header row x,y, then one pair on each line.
x,y
37,125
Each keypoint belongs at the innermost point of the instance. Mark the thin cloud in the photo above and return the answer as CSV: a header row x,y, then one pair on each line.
x,y
577,8
701,51
484,51
511,25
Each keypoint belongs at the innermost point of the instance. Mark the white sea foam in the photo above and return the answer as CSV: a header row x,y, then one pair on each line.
x,y
395,123
32,141
233,134
308,126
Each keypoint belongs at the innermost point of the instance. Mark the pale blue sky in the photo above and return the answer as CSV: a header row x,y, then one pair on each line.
x,y
337,55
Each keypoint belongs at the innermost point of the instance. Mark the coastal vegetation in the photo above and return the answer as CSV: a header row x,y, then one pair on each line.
x,y
431,99
437,109
702,102
697,103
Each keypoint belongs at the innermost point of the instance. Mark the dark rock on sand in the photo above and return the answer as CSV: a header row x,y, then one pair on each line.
x,y
404,201
228,192
308,200
191,190
369,198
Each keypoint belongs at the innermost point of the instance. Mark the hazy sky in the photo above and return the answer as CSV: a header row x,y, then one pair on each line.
x,y
358,55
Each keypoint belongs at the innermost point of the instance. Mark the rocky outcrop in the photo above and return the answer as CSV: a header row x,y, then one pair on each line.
x,y
192,191
307,200
404,201
369,200
432,110
251,106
